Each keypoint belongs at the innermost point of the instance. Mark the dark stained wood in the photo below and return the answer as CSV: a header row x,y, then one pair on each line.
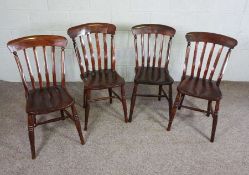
x,y
142,50
204,88
91,51
186,61
194,87
46,66
201,59
136,49
194,59
154,57
63,67
37,67
101,77
151,74
35,41
211,38
53,66
84,29
29,68
148,50
208,61
161,53
223,67
84,54
51,98
113,60
153,28
215,63
105,51
98,50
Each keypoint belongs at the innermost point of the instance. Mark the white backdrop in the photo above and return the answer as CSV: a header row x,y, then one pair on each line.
x,y
27,17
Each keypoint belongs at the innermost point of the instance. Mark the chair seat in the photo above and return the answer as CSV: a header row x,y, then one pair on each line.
x,y
200,88
153,76
45,100
102,79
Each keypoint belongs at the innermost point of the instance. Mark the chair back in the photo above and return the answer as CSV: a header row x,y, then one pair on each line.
x,y
95,43
215,49
28,51
148,53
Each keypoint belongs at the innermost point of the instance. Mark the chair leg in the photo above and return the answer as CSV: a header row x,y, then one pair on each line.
x,y
110,94
87,108
31,134
173,111
160,92
209,108
124,102
77,124
133,99
170,99
62,115
182,98
84,98
215,119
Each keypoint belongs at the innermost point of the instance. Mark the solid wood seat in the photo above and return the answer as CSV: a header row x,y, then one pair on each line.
x,y
202,78
153,76
45,100
102,79
44,95
200,88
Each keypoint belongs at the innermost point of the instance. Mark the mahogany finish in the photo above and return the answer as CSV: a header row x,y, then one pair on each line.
x,y
40,98
97,70
206,86
151,70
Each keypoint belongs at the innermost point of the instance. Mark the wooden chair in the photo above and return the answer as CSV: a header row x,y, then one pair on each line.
x,y
152,71
203,87
40,98
100,76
